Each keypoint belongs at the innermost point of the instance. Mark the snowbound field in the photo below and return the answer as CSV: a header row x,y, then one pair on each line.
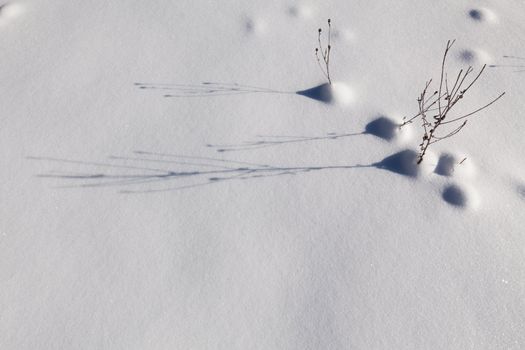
x,y
170,180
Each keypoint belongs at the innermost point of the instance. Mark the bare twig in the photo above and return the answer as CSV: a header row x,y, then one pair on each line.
x,y
445,99
325,52
476,111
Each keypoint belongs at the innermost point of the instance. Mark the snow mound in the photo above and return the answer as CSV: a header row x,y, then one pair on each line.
x,y
461,196
9,11
483,15
335,93
453,165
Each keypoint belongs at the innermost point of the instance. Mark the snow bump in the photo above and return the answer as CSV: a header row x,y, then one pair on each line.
x,y
402,163
300,11
521,191
460,196
337,93
9,11
453,165
255,26
482,15
455,195
446,164
382,127
474,56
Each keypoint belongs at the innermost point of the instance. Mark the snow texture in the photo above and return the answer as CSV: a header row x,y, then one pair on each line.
x,y
179,175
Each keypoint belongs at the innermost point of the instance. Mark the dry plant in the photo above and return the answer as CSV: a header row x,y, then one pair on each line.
x,y
441,103
325,52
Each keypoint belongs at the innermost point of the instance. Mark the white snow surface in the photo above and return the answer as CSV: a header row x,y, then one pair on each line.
x,y
163,186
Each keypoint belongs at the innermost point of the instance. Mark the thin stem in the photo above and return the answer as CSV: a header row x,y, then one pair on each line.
x,y
452,133
325,52
451,96
476,111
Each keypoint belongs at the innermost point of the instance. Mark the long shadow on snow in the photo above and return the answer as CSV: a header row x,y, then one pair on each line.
x,y
322,93
134,176
516,63
381,127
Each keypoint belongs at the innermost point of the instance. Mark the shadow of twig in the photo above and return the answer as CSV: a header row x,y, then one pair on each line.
x,y
203,171
206,89
278,140
320,93
516,64
381,127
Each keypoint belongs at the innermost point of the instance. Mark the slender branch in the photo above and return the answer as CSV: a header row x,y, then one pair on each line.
x,y
452,133
476,111
325,52
446,99
476,78
449,45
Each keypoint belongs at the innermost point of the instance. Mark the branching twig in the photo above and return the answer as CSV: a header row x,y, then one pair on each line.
x,y
445,99
325,53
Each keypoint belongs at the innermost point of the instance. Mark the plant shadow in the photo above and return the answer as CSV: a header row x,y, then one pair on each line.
x,y
321,93
266,141
514,62
149,172
381,127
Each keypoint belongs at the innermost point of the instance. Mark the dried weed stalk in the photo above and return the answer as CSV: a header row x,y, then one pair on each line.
x,y
441,102
325,52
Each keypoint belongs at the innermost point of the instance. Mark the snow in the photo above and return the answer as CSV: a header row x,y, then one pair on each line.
x,y
178,175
